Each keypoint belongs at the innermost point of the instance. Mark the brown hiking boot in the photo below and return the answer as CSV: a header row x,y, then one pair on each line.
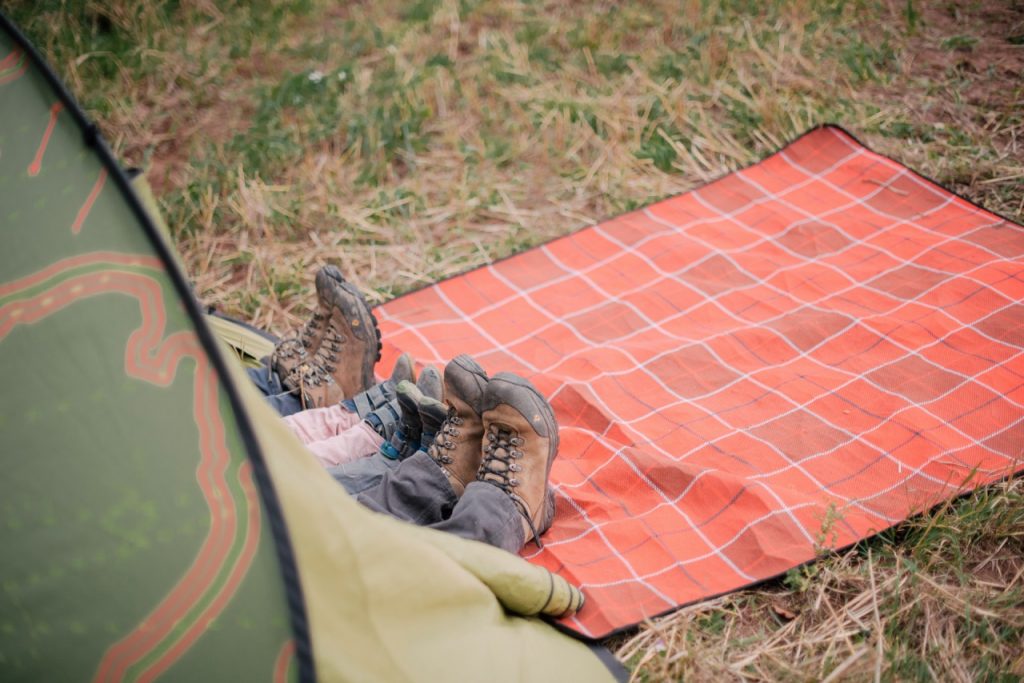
x,y
456,447
521,443
316,387
302,344
343,364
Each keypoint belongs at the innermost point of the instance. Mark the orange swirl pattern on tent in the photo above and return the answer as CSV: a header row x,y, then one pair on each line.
x,y
201,594
796,356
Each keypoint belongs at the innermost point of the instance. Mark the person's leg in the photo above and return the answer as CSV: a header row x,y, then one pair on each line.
x,y
265,379
285,404
359,475
485,513
494,489
359,441
418,412
317,424
416,491
422,488
269,384
509,500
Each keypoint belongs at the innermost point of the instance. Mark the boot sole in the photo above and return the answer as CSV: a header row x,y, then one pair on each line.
x,y
430,383
354,307
329,276
549,511
326,277
502,389
469,370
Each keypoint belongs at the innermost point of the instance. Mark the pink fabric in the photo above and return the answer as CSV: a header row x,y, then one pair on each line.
x,y
317,424
355,442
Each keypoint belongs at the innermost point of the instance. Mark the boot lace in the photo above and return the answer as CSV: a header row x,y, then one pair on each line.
x,y
310,329
443,445
300,343
288,348
501,465
325,360
317,371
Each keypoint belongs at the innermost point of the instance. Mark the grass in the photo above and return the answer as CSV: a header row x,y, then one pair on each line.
x,y
410,141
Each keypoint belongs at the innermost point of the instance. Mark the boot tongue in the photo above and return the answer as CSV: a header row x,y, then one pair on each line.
x,y
496,466
438,449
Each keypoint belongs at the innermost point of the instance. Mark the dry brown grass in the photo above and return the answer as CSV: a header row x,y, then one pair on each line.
x,y
940,599
533,124
445,134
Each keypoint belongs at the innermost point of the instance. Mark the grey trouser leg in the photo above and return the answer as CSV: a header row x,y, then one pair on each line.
x,y
418,492
362,474
269,384
485,513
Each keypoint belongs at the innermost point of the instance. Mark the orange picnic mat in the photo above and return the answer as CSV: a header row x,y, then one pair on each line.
x,y
791,358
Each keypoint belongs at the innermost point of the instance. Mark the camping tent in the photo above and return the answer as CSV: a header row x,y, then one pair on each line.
x,y
158,519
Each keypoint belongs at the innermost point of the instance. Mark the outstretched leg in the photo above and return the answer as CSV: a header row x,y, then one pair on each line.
x,y
504,431
269,384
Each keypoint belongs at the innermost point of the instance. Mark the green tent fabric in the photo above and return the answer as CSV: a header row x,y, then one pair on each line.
x,y
159,521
